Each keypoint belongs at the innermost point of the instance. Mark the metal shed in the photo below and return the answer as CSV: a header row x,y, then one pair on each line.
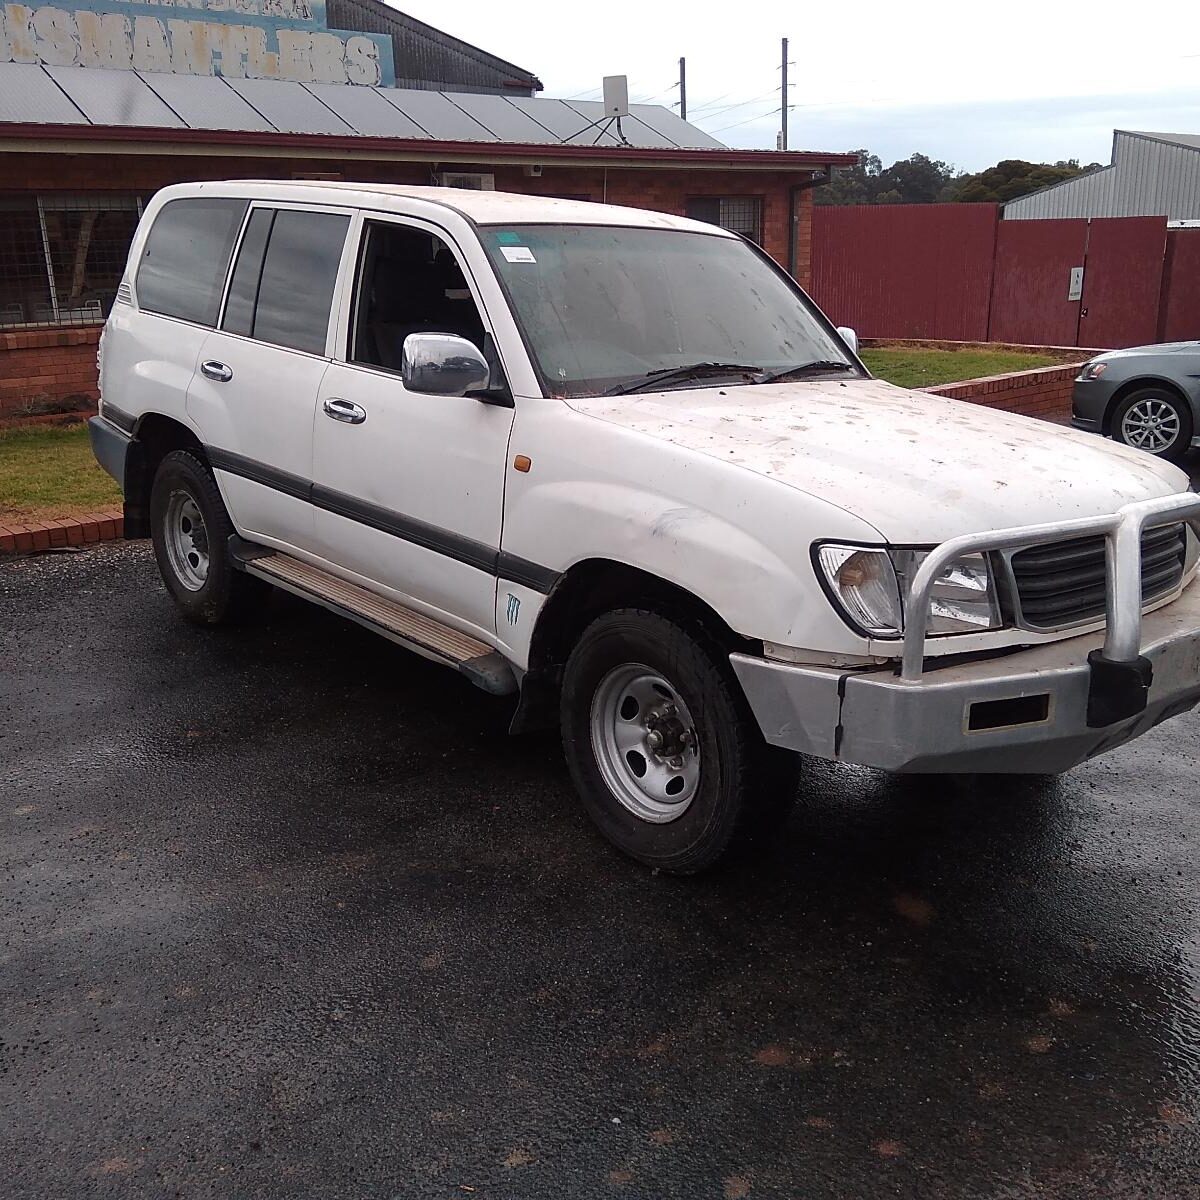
x,y
428,58
1151,175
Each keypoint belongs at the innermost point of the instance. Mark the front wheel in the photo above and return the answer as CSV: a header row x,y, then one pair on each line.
x,y
1155,420
661,746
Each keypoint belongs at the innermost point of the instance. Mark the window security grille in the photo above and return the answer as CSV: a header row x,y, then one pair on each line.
x,y
62,257
742,214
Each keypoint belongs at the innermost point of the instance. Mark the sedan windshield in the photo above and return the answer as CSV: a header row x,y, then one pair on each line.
x,y
609,309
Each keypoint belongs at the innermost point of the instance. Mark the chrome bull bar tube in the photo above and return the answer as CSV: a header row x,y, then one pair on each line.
x,y
1123,571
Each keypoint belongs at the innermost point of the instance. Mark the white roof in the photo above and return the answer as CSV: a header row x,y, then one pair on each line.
x,y
484,208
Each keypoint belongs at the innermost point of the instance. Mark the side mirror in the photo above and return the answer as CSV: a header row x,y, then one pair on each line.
x,y
442,364
849,337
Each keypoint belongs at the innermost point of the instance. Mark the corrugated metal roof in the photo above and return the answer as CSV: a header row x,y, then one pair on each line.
x,y
110,97
366,110
133,99
1190,140
289,107
27,93
441,116
197,102
428,59
1152,174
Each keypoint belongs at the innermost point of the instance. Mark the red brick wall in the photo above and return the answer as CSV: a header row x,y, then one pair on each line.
x,y
47,370
661,188
1044,393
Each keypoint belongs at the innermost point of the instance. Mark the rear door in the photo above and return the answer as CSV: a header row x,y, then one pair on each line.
x,y
256,385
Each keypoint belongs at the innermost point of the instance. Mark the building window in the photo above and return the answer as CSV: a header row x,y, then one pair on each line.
x,y
742,214
62,256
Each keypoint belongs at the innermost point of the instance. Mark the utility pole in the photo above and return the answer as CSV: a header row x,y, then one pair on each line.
x,y
784,105
683,88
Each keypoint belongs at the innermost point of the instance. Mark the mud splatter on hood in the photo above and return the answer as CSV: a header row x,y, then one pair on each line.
x,y
920,468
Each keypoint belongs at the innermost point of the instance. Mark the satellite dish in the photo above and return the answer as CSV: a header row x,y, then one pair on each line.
x,y
616,95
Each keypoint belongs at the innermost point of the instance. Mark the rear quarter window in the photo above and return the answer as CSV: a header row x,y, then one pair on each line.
x,y
186,257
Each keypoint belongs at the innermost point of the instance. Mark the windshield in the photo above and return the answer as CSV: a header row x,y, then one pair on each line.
x,y
605,306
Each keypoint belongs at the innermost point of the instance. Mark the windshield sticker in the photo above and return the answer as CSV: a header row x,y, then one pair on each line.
x,y
508,238
518,254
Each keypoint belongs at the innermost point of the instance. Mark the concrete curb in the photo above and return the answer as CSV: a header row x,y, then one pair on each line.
x,y
28,536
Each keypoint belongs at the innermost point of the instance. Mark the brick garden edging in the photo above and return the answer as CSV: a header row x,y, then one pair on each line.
x,y
1044,392
107,525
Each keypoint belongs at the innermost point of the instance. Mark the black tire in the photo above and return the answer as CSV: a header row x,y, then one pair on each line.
x,y
226,594
1178,449
745,787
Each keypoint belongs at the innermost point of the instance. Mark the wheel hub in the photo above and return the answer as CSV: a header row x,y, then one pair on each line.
x,y
186,538
645,744
1151,424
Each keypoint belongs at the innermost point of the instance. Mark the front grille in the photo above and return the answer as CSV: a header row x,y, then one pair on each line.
x,y
1063,583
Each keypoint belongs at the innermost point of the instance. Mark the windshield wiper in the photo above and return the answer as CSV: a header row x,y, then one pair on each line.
x,y
818,366
691,371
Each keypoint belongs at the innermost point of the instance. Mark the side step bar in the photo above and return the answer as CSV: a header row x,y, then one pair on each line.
x,y
479,662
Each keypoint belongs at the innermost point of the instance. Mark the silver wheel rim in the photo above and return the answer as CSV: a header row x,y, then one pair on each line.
x,y
187,541
645,743
1151,424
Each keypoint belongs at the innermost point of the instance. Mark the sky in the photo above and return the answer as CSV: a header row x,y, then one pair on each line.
x,y
1040,81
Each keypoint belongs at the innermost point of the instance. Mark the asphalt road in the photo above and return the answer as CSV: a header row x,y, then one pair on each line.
x,y
284,912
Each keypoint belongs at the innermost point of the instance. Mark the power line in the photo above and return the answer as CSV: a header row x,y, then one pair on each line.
x,y
656,96
747,121
740,104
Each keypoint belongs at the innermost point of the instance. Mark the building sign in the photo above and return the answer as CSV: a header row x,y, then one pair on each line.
x,y
239,39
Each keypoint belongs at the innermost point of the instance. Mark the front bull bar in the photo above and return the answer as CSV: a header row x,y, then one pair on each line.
x,y
1121,676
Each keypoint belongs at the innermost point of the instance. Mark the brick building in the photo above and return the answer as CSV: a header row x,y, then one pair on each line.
x,y
83,146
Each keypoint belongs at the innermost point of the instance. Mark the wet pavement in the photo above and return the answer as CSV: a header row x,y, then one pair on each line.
x,y
285,912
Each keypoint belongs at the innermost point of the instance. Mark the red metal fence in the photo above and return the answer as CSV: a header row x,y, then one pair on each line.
x,y
1033,271
912,270
1179,314
957,272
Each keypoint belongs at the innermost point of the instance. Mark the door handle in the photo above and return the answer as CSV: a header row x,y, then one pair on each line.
x,y
343,410
216,370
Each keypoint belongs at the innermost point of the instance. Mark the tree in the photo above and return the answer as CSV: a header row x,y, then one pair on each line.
x,y
1013,177
917,179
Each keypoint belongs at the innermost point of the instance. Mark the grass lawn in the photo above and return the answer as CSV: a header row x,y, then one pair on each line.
x,y
51,473
915,368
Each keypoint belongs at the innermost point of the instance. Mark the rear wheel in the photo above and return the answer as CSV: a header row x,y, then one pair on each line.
x,y
190,530
1155,420
666,757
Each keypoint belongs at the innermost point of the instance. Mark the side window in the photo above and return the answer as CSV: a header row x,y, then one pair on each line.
x,y
409,282
183,266
247,271
299,271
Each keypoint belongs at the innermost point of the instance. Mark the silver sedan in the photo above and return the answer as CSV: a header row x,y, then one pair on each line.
x,y
1147,397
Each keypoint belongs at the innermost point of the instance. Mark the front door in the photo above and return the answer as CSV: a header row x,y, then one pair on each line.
x,y
409,494
255,388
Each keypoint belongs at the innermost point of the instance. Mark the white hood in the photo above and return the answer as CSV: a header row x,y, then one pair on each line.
x,y
920,468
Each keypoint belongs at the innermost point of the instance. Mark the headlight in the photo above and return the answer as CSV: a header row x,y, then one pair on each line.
x,y
963,598
870,586
1093,370
863,584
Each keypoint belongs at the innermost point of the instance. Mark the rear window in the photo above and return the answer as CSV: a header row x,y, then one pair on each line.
x,y
182,272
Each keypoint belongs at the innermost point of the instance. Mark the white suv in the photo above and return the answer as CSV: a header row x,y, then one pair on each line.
x,y
618,464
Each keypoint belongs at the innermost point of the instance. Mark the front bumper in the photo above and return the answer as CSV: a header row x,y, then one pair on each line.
x,y
1089,402
875,719
1041,709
